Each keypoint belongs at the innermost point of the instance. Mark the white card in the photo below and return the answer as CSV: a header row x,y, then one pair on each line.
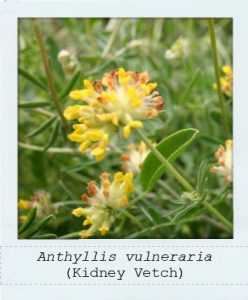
x,y
123,149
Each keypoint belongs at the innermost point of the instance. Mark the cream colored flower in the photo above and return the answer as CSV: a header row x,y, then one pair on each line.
x,y
135,157
178,50
118,102
103,202
224,157
67,61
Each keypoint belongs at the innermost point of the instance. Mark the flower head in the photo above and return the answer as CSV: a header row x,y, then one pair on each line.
x,y
121,100
178,50
224,157
67,61
103,202
226,81
135,157
40,200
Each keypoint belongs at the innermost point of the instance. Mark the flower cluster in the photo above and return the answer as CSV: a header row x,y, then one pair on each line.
x,y
135,157
178,50
226,81
67,61
103,202
119,101
224,157
41,200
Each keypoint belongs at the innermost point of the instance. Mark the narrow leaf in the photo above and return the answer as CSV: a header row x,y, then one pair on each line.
x,y
171,147
30,218
53,136
34,104
37,227
32,79
53,50
46,236
42,127
69,85
201,176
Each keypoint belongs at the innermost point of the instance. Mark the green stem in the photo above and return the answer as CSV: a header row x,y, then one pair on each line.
x,y
89,34
49,75
165,162
132,218
50,150
217,74
73,235
217,215
112,38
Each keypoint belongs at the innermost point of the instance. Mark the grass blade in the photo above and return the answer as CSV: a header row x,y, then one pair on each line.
x,y
53,136
38,227
29,221
43,127
32,79
46,236
69,86
34,104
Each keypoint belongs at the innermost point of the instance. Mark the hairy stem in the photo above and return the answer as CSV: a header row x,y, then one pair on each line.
x,y
73,235
49,150
217,215
112,38
49,74
217,74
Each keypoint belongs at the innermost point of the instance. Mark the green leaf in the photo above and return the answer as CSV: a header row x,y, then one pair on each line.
x,y
32,79
53,136
42,127
171,147
202,176
69,85
215,115
184,211
30,218
34,104
37,227
46,236
53,50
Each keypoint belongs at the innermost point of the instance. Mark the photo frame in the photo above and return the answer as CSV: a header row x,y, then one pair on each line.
x,y
205,267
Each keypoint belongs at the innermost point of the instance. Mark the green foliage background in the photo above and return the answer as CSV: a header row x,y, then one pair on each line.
x,y
101,45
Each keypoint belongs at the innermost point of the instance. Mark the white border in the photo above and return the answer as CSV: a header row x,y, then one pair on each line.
x,y
10,11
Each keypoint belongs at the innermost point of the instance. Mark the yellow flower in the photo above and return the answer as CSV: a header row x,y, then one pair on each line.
x,y
24,204
226,81
40,200
135,157
103,202
224,157
120,101
23,218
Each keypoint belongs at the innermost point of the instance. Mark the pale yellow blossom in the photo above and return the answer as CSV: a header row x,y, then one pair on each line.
x,y
103,203
224,158
135,157
121,101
